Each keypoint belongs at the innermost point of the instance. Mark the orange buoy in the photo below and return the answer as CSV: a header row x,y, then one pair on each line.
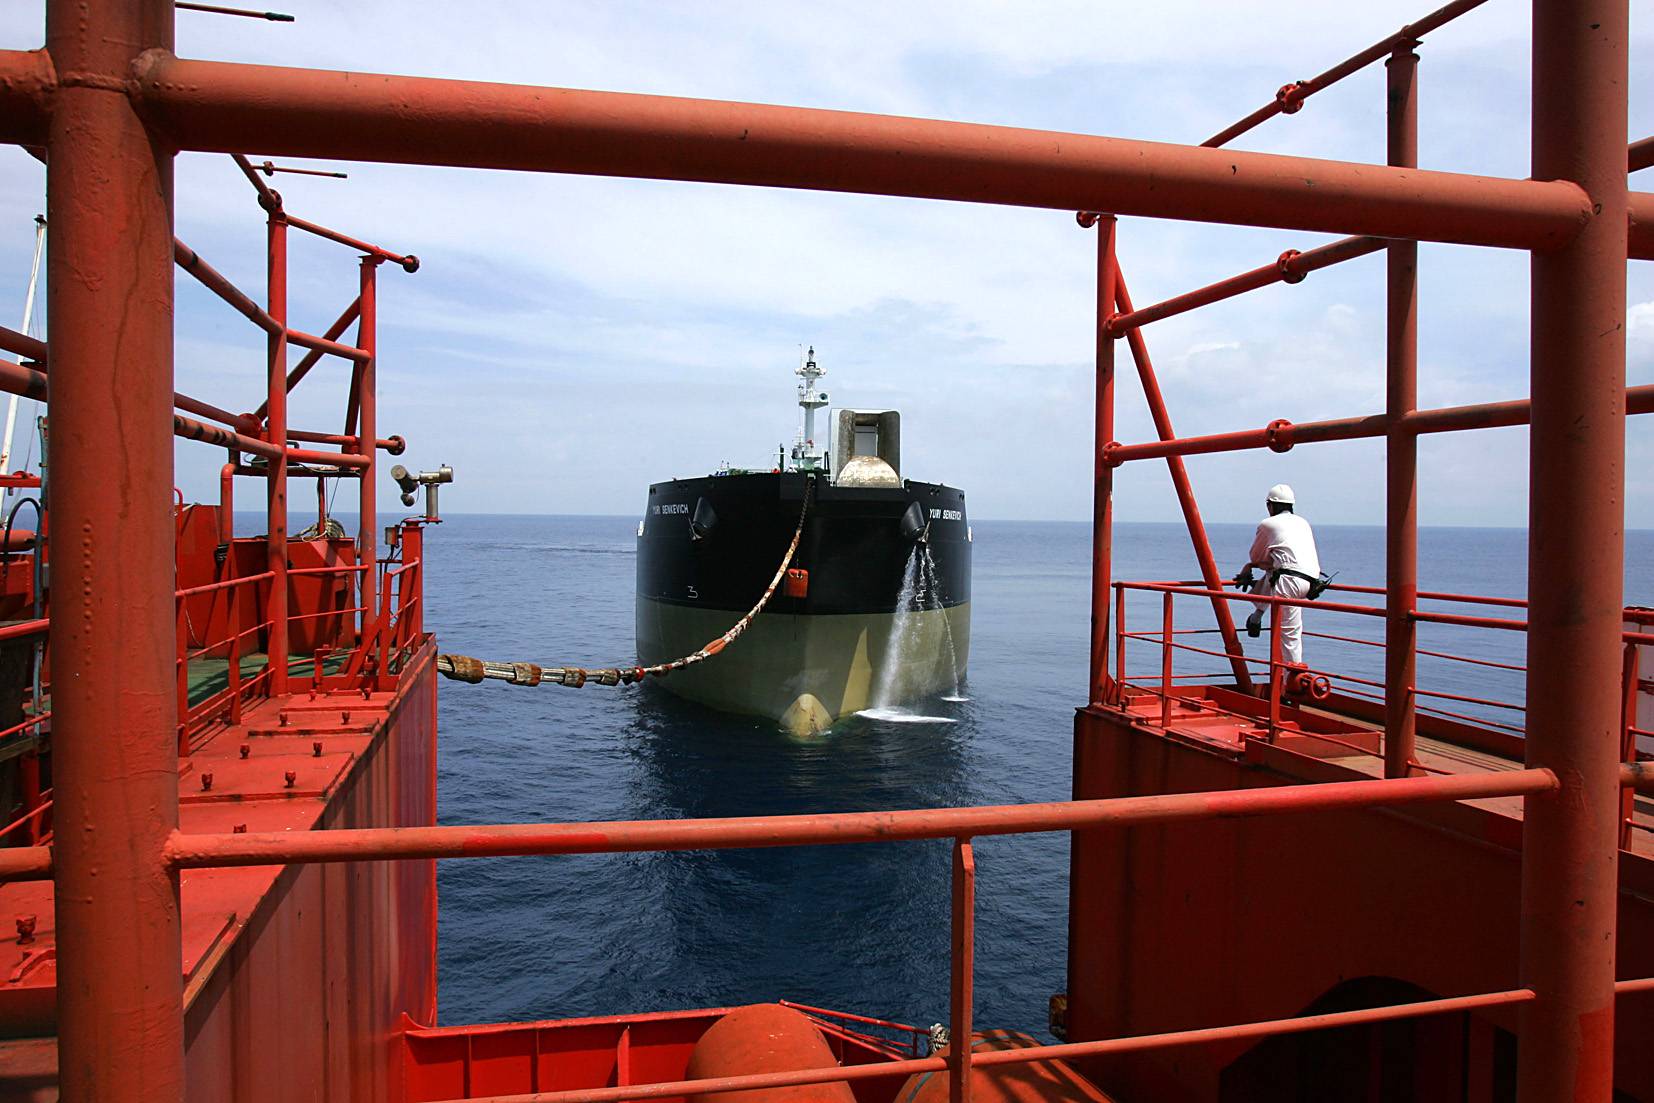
x,y
765,1037
1031,1082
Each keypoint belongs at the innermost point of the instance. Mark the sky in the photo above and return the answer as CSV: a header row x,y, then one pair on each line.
x,y
569,340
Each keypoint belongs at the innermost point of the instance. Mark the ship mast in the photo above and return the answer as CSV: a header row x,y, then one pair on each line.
x,y
805,455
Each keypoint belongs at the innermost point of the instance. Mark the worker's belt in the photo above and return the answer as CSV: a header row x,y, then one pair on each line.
x,y
1318,583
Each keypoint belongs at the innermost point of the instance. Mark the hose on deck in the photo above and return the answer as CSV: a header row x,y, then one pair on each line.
x,y
463,668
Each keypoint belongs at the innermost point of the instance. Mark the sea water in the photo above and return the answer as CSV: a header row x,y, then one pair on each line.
x,y
864,927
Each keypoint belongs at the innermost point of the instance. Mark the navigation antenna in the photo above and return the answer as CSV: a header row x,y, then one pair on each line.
x,y
806,456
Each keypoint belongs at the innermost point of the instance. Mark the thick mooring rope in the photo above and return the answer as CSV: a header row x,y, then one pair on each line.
x,y
463,668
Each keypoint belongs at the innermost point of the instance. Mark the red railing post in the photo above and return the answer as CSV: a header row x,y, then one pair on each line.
x,y
120,1015
181,685
1628,738
964,972
1102,492
276,433
1116,688
1166,659
367,428
1401,445
1576,555
413,551
232,671
1275,672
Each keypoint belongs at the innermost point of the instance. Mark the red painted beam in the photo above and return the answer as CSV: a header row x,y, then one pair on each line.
x,y
27,82
373,844
1291,267
226,107
120,1010
1576,555
21,344
409,263
1291,97
1283,435
1067,1051
1640,155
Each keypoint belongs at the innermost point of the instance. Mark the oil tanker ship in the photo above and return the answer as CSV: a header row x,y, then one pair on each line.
x,y
873,606
218,754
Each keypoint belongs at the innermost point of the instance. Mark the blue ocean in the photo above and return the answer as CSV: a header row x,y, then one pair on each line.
x,y
862,928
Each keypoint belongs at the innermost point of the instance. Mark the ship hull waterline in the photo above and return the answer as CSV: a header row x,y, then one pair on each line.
x,y
805,671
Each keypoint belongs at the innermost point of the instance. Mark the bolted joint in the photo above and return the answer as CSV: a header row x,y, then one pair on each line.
x,y
1283,264
1111,454
1291,96
398,446
410,263
1279,434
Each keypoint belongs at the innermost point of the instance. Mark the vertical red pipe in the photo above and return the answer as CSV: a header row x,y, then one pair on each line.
x,y
276,483
1185,495
367,403
1576,554
964,972
1401,531
1102,493
1165,660
114,753
1115,694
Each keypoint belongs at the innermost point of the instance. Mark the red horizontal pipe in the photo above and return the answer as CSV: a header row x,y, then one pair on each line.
x,y
190,851
24,628
1283,435
38,352
1262,599
29,348
1640,214
410,263
1291,97
1067,1051
1640,155
1638,776
298,472
1292,266
221,106
325,344
226,584
26,85
1471,622
394,445
314,356
27,382
353,460
228,438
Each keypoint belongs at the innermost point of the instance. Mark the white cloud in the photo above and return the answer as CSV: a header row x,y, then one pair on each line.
x,y
569,338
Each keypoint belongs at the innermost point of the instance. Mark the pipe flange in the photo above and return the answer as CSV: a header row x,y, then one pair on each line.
x,y
1279,436
1291,97
1283,264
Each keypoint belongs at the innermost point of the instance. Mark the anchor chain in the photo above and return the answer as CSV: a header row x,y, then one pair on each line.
x,y
464,668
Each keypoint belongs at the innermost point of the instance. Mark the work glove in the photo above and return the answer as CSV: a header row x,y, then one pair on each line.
x,y
1244,578
1254,623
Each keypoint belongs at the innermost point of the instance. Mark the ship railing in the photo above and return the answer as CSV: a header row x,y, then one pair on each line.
x,y
962,827
1279,676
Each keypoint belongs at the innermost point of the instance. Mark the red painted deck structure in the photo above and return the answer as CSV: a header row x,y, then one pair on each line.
x,y
1277,890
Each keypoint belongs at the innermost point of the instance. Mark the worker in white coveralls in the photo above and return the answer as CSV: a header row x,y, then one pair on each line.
x,y
1284,551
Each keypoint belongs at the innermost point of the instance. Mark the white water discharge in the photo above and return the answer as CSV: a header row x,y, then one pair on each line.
x,y
906,643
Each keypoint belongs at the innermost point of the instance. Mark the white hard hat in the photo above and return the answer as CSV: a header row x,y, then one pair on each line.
x,y
1282,494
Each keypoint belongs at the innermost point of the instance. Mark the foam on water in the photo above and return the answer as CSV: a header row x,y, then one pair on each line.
x,y
903,716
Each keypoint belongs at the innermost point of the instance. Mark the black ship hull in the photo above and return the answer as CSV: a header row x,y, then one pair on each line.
x,y
884,613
